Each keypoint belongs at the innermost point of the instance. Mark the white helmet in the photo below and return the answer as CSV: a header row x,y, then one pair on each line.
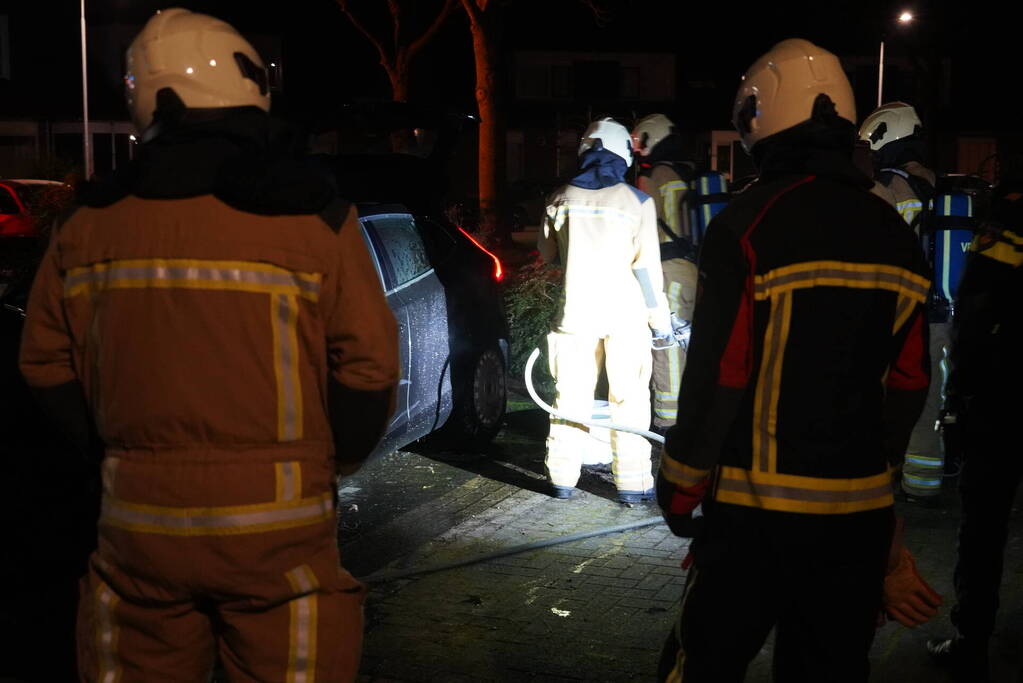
x,y
201,58
649,131
612,135
781,89
888,123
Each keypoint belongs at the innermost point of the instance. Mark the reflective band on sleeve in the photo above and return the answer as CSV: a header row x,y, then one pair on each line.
x,y
841,274
216,521
680,474
909,209
105,602
642,275
284,318
242,276
302,632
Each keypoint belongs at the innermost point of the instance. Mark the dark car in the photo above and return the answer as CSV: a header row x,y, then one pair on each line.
x,y
442,288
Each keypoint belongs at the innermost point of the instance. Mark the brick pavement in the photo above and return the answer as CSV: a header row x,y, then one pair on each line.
x,y
591,610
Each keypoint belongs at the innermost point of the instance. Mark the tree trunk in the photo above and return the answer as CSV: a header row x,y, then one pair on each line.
x,y
493,222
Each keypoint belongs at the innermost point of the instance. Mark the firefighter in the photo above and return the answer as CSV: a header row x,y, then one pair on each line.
x,y
895,136
983,395
603,232
807,369
659,157
212,317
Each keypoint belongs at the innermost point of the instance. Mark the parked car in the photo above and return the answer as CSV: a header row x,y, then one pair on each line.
x,y
442,288
21,205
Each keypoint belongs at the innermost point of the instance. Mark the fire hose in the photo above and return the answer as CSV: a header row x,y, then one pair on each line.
x,y
680,333
589,422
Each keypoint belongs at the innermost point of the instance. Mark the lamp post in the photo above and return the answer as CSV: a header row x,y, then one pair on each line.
x,y
87,146
904,18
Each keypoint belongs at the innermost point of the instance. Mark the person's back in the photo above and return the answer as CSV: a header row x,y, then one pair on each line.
x,y
599,242
218,311
894,133
603,232
806,371
824,308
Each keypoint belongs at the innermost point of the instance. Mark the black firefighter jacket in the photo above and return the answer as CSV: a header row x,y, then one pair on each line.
x,y
808,360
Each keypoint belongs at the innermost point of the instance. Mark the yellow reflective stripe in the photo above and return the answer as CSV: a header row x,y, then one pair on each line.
x,y
243,276
1004,253
671,192
790,493
288,480
284,321
903,309
105,603
765,404
302,632
842,274
216,521
796,481
681,474
909,208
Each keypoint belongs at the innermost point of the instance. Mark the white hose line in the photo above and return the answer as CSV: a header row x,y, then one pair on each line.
x,y
589,422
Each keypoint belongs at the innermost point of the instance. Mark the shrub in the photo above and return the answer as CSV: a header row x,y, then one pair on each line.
x,y
531,301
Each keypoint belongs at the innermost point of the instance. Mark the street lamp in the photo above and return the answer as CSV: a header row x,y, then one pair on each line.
x,y
904,18
86,137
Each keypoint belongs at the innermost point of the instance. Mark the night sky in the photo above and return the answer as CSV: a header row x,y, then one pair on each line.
x,y
328,62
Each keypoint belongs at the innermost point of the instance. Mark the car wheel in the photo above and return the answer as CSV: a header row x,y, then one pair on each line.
x,y
479,401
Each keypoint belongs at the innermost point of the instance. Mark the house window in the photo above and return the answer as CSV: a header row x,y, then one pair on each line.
x,y
629,83
561,81
533,81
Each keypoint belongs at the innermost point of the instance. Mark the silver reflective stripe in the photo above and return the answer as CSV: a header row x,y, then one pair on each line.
x,y
286,346
289,480
201,521
106,635
302,636
643,277
213,274
794,493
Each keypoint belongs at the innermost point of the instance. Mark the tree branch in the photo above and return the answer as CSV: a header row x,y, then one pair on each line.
x,y
385,59
418,44
395,7
473,10
601,14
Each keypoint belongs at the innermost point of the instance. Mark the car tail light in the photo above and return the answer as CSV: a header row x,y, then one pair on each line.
x,y
498,270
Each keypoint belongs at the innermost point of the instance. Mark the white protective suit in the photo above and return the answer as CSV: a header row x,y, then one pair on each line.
x,y
606,242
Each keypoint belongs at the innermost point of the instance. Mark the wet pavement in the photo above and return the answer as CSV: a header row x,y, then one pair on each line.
x,y
595,609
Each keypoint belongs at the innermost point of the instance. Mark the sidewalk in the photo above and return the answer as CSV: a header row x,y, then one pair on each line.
x,y
591,610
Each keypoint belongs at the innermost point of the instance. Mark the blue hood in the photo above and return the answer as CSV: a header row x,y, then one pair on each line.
x,y
599,168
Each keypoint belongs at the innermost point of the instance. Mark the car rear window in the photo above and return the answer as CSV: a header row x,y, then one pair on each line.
x,y
401,250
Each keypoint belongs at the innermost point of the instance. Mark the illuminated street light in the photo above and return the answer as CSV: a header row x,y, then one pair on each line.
x,y
904,18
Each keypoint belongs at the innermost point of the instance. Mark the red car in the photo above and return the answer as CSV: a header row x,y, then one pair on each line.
x,y
23,202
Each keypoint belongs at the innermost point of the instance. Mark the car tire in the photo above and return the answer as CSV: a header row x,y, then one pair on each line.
x,y
479,401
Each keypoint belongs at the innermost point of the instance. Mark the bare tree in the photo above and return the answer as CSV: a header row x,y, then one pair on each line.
x,y
483,21
397,51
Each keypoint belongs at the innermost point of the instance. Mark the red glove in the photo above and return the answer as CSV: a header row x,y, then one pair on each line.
x,y
685,500
907,597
